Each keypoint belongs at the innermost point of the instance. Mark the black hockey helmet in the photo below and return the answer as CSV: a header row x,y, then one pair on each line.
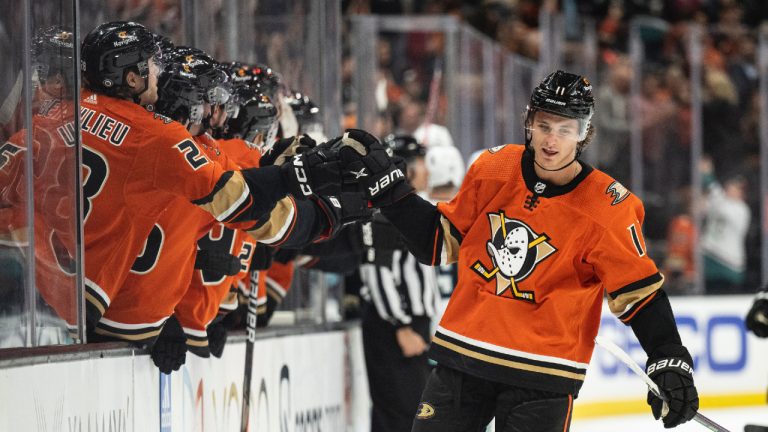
x,y
404,146
239,73
267,79
111,50
306,112
256,115
53,53
563,94
211,76
164,43
179,95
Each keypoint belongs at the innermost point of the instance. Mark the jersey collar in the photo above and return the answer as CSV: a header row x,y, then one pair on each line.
x,y
544,188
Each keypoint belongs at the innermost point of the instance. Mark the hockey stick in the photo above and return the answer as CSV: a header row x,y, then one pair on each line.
x,y
617,352
250,334
434,99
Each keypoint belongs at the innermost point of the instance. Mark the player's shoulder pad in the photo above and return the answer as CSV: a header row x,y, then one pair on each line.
x,y
498,161
609,196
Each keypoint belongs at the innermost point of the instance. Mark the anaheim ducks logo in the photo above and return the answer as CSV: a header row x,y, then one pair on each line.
x,y
618,192
515,250
122,34
425,411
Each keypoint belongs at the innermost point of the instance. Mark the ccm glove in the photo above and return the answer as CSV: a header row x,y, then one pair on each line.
x,y
674,376
757,318
316,171
285,149
365,161
342,210
169,351
218,263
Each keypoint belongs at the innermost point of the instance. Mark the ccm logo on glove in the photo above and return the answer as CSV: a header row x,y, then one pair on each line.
x,y
670,363
301,176
385,181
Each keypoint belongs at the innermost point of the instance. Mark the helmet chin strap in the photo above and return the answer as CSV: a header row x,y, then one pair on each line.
x,y
137,96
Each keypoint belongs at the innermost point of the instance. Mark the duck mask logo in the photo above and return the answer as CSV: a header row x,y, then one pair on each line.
x,y
515,250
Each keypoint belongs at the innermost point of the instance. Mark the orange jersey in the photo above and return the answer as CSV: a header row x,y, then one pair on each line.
x,y
534,262
238,150
278,278
54,170
207,292
135,164
161,274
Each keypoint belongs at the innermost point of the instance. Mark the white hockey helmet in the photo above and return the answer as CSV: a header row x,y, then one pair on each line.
x,y
445,166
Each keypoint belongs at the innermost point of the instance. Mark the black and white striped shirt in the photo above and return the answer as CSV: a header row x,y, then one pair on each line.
x,y
397,285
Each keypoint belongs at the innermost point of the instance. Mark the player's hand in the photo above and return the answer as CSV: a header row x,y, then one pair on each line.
x,y
285,149
757,318
262,257
674,376
169,351
411,343
365,161
342,210
315,171
217,338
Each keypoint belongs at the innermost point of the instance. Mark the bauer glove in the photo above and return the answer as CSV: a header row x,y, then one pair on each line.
x,y
674,377
366,163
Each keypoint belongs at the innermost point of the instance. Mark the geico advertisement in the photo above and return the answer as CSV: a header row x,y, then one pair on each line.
x,y
297,385
727,359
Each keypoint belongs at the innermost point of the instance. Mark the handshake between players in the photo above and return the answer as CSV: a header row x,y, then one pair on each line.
x,y
349,174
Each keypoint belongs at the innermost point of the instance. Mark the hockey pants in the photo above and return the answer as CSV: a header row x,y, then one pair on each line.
x,y
456,402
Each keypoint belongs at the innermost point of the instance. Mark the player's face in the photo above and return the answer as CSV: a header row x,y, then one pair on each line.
x,y
554,139
150,96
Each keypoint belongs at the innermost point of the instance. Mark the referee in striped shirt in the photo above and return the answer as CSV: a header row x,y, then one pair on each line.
x,y
399,298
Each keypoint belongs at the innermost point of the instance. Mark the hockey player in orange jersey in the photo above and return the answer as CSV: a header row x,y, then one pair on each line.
x,y
540,236
136,162
140,311
53,166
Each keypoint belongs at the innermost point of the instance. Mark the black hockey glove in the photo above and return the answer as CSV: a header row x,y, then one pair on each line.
x,y
262,257
342,210
217,263
366,162
316,171
674,376
217,338
285,149
262,319
757,318
169,351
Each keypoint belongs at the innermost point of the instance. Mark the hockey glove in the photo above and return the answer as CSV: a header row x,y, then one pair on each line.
x,y
169,351
757,318
342,210
262,257
674,376
316,171
366,162
285,149
217,263
217,338
262,319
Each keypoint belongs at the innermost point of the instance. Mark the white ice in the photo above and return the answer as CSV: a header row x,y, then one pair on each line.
x,y
733,419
